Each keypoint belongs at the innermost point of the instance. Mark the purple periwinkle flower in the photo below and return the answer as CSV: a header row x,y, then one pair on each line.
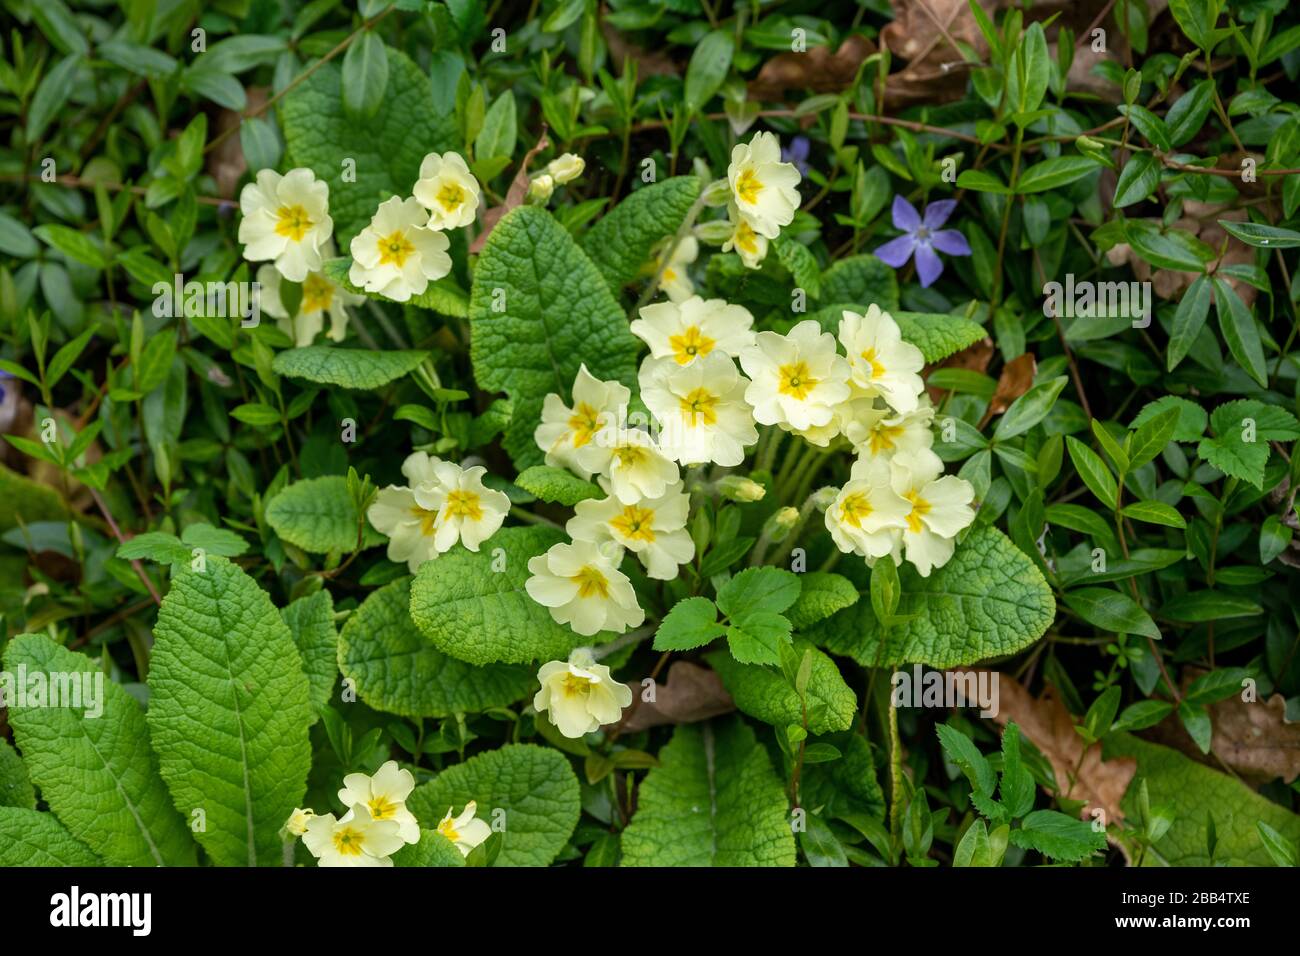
x,y
923,237
797,154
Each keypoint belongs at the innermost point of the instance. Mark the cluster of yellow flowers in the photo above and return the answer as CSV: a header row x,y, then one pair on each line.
x,y
377,823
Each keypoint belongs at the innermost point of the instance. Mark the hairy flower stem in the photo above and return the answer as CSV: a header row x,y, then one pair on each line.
x,y
630,638
805,511
895,777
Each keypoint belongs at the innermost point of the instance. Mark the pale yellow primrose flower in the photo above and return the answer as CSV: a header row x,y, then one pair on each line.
x,y
867,514
320,295
676,281
384,797
876,430
796,379
744,241
582,586
580,699
540,188
286,218
628,463
763,188
566,168
396,255
410,527
355,840
693,327
940,508
466,830
565,430
448,190
467,510
654,529
701,409
882,363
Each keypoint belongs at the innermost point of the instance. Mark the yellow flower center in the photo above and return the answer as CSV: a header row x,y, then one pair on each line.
x,y
428,520
381,808
634,523
584,422
464,504
448,829
882,437
395,249
795,380
348,840
869,356
689,344
629,456
591,583
920,507
317,293
748,186
575,685
450,197
293,222
746,239
700,405
854,508
670,274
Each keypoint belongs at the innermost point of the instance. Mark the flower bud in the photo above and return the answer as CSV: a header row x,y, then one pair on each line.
x,y
715,233
823,498
779,526
541,188
566,168
717,193
298,820
740,488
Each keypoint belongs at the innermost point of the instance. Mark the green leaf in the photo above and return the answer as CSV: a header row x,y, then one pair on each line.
x,y
15,786
1141,715
256,414
1169,249
1054,173
220,541
1194,792
497,137
434,849
1239,331
758,590
1093,471
765,694
556,485
1199,606
78,246
708,68
51,95
59,26
229,709
758,639
1192,419
1274,538
989,600
1261,235
360,369
1193,16
28,838
621,242
1030,408
1186,117
318,515
1137,180
89,758
1154,512
365,77
821,595
713,801
1111,611
962,751
538,310
983,181
692,623
476,613
1060,837
20,497
311,623
1149,125
936,335
387,148
1282,850
154,546
1229,450
857,281
534,787
398,671
800,263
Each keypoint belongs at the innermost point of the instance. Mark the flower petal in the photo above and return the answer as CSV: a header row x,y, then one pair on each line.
x,y
937,213
950,241
928,266
896,252
905,215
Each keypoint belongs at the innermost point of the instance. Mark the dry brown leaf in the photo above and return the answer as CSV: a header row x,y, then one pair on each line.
x,y
690,693
936,70
514,195
226,163
1017,375
1048,725
817,69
